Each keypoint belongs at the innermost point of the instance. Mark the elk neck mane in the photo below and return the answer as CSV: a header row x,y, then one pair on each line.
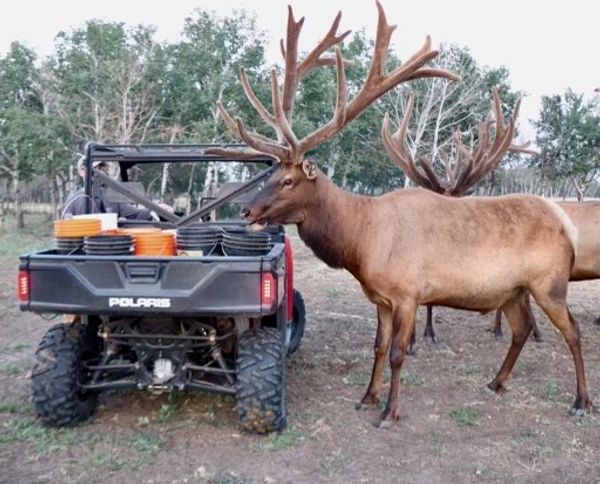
x,y
333,223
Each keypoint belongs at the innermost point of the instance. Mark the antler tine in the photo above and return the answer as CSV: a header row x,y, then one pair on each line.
x,y
472,166
290,82
382,43
436,184
489,157
238,153
294,72
497,108
226,117
395,146
378,83
339,118
232,125
287,148
261,143
462,155
280,118
314,59
257,105
491,160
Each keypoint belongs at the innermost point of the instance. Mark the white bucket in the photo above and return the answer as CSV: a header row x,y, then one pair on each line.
x,y
107,220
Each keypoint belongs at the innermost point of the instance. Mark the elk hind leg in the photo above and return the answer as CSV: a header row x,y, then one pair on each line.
x,y
498,325
552,300
429,331
520,325
535,331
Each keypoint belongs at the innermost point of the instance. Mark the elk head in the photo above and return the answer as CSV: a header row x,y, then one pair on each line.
x,y
284,197
469,166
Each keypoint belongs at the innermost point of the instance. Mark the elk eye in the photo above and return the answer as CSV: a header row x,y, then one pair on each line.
x,y
287,182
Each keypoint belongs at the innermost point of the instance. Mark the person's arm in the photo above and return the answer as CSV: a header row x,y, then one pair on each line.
x,y
130,212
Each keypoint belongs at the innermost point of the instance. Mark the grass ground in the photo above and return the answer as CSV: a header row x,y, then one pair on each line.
x,y
452,429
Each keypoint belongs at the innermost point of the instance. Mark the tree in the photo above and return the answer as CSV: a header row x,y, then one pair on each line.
x,y
105,82
204,68
568,134
443,107
29,139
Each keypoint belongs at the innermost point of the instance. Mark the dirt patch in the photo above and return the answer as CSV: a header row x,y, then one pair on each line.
x,y
452,429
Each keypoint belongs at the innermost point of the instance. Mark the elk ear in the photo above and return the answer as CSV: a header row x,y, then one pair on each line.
x,y
309,169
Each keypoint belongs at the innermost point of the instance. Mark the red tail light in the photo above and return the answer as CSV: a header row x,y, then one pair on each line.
x,y
268,289
289,283
23,286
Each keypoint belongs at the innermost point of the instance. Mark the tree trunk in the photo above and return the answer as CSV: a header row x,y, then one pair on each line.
x,y
164,181
18,203
53,200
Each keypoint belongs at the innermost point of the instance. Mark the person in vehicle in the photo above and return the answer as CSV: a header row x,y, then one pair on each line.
x,y
76,202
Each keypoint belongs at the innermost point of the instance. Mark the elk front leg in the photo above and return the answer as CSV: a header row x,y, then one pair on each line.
x,y
402,327
382,345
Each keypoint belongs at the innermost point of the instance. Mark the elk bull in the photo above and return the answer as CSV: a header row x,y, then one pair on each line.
x,y
403,247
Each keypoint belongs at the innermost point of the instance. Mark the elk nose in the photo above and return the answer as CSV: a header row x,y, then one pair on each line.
x,y
245,212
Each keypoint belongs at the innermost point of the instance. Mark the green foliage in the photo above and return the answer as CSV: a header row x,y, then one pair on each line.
x,y
110,82
465,417
277,441
13,369
568,134
104,82
44,439
14,407
147,443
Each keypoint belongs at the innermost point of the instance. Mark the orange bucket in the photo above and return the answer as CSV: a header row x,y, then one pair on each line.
x,y
154,243
71,227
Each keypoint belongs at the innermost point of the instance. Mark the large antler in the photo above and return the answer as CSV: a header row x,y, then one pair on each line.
x,y
469,167
287,147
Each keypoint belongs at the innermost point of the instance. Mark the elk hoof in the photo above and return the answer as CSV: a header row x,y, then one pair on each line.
x,y
411,350
430,338
388,417
384,424
497,388
367,402
580,407
537,337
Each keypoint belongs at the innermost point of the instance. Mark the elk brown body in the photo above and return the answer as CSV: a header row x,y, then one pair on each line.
x,y
586,217
403,247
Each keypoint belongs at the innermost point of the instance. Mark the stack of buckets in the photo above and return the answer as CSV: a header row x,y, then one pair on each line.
x,y
204,240
70,233
241,242
151,241
108,245
192,240
198,240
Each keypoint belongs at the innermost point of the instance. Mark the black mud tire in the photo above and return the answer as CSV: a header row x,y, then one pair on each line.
x,y
298,323
57,399
261,381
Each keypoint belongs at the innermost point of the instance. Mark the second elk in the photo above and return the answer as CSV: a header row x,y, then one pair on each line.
x,y
402,246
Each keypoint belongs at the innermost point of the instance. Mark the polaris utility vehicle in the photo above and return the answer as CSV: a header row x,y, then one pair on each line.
x,y
220,320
